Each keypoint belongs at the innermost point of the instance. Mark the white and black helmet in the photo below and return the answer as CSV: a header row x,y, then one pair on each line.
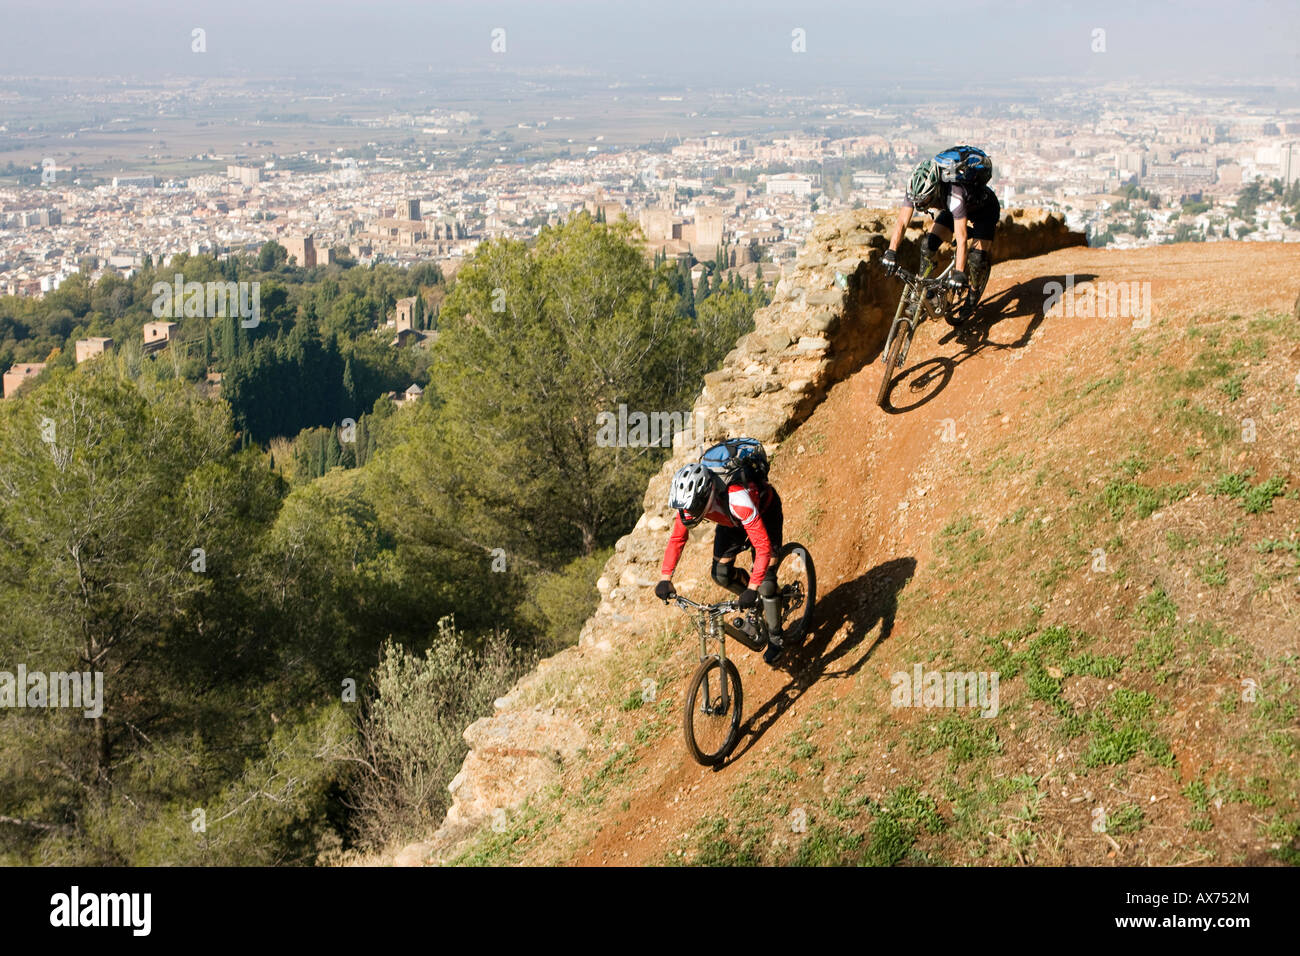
x,y
692,492
924,188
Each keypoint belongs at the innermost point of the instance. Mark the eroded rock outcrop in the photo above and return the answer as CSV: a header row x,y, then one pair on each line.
x,y
828,318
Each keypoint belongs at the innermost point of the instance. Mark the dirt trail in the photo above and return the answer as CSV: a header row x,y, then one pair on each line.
x,y
873,493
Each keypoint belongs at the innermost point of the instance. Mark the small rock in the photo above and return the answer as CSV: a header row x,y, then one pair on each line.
x,y
413,855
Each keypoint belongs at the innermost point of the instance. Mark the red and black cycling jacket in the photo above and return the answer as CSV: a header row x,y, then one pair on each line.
x,y
740,511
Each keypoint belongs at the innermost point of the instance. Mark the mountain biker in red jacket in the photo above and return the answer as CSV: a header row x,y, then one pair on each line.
x,y
966,209
748,517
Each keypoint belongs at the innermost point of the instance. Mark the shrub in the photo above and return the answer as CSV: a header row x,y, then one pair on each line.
x,y
410,743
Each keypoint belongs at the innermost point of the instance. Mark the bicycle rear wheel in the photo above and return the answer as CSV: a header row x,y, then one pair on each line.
x,y
713,709
797,579
896,348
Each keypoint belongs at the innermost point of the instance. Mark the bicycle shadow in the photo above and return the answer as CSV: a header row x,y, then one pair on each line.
x,y
1023,300
863,603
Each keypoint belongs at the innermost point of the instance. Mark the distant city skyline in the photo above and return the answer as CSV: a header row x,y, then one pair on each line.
x,y
720,44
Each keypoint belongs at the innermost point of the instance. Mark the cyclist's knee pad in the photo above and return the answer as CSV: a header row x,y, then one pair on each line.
x,y
722,573
931,245
768,588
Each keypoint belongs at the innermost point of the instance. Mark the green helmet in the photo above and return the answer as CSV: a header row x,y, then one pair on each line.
x,y
924,187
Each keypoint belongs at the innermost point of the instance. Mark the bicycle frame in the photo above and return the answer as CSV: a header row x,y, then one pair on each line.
x,y
914,304
712,626
711,621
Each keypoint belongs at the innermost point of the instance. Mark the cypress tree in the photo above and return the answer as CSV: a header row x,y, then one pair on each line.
x,y
349,383
313,454
333,453
229,341
360,446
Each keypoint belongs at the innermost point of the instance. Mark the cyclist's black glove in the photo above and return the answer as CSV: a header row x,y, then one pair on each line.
x,y
664,590
957,280
748,599
889,261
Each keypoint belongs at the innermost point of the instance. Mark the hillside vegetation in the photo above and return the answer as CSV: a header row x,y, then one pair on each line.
x,y
294,627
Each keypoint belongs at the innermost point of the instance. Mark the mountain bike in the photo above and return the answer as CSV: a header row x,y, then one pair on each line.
x,y
922,297
714,697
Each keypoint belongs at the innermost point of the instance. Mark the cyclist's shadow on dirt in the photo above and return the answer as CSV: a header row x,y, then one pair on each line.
x,y
861,604
925,380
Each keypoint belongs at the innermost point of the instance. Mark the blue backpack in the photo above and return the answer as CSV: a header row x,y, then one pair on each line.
x,y
737,461
965,165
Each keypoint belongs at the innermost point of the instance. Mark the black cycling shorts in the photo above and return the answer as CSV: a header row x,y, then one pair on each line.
x,y
729,542
981,222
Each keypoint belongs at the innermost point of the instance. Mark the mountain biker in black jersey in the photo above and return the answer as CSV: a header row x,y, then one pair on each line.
x,y
956,183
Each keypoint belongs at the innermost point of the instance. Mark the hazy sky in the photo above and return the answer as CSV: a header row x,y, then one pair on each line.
x,y
708,42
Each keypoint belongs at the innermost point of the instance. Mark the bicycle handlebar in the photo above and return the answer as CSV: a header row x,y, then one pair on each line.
x,y
911,278
686,604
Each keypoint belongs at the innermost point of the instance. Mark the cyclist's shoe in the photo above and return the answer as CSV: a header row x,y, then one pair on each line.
x,y
775,649
963,313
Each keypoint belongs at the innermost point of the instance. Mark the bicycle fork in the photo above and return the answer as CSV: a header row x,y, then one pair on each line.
x,y
712,631
896,326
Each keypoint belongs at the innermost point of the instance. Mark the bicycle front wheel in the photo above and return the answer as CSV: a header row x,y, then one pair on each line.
x,y
714,703
896,348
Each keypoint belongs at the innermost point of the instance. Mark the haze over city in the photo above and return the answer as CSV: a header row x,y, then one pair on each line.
x,y
721,44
